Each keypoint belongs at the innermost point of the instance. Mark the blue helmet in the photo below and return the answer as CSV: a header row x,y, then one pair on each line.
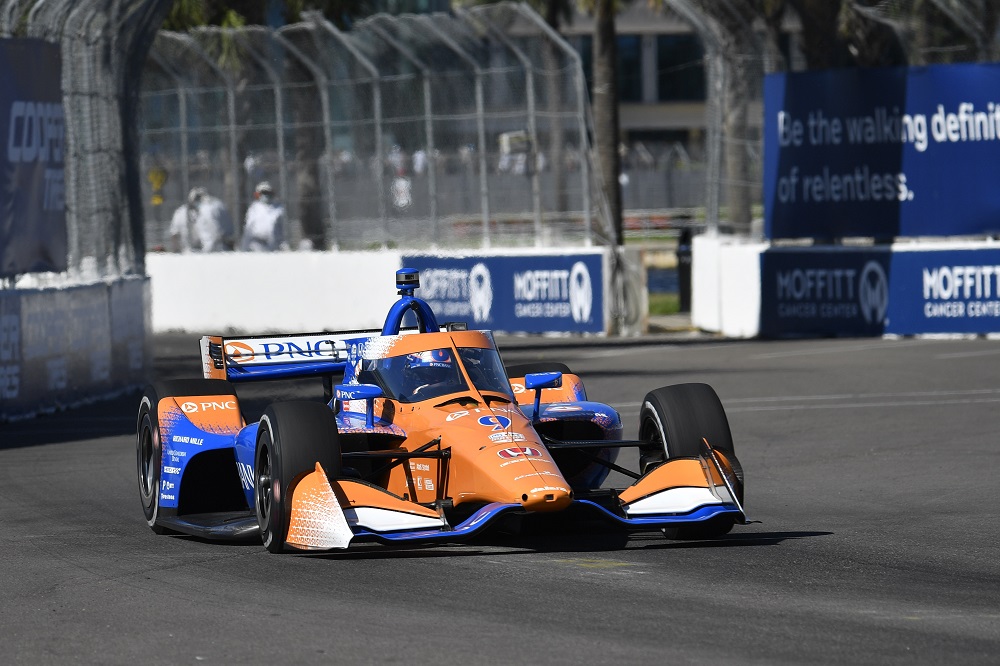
x,y
430,366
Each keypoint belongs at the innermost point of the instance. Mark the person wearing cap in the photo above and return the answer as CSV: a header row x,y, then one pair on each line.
x,y
201,224
264,230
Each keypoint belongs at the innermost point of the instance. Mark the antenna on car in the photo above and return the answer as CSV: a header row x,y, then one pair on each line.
x,y
407,280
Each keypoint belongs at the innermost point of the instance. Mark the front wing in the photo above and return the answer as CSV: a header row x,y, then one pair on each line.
x,y
331,514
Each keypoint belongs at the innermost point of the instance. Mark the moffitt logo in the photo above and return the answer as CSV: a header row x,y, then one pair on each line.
x,y
554,293
456,292
961,291
873,293
834,293
480,292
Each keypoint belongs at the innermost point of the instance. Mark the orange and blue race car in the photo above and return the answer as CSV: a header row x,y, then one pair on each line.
x,y
423,437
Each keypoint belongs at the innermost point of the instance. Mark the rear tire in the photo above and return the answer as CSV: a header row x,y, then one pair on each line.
x,y
292,437
675,419
149,447
523,369
542,366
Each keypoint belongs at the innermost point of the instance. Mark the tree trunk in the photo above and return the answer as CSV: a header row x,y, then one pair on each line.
x,y
605,103
554,102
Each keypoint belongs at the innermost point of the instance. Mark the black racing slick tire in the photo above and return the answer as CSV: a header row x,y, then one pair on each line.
x,y
674,420
149,447
292,437
524,369
542,366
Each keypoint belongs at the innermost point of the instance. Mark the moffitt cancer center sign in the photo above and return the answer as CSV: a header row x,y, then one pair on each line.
x,y
33,234
902,151
516,293
883,154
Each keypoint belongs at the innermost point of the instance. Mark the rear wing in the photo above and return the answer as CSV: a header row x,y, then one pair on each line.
x,y
250,358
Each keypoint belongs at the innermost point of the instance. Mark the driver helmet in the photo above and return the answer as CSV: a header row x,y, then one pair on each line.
x,y
263,191
196,195
430,367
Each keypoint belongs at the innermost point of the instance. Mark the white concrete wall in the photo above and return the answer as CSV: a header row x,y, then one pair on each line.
x,y
725,285
251,293
63,346
283,291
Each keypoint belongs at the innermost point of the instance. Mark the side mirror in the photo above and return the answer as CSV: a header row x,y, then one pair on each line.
x,y
537,381
366,392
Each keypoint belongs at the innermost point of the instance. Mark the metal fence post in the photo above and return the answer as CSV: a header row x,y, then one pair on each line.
x,y
182,101
279,107
190,42
428,124
324,99
716,72
376,78
581,100
529,75
484,187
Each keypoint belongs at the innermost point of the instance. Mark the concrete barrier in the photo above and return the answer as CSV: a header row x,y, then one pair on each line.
x,y
63,347
264,293
745,289
725,284
251,293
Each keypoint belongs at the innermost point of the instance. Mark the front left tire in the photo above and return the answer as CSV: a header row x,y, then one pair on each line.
x,y
674,420
292,437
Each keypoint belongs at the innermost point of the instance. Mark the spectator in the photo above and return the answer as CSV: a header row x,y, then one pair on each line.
x,y
265,222
420,162
202,224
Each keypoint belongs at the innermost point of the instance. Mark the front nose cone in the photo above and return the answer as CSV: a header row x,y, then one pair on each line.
x,y
546,498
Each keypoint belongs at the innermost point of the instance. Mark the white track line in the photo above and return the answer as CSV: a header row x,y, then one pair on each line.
x,y
855,400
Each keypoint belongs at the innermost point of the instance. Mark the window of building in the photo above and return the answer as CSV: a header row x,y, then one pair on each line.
x,y
680,68
629,68
629,65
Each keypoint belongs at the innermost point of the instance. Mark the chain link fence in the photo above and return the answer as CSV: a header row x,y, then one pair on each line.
x,y
459,130
103,44
736,61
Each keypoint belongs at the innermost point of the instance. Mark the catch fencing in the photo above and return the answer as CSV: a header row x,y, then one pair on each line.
x,y
469,129
103,45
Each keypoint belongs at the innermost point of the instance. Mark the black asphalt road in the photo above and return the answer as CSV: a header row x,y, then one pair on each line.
x,y
871,465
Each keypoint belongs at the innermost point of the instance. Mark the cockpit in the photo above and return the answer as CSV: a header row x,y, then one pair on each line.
x,y
434,373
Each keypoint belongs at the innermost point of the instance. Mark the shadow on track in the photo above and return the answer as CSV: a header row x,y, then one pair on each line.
x,y
736,540
114,417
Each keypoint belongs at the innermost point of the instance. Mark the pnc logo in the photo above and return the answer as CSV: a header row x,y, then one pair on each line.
x,y
239,352
517,388
519,451
190,407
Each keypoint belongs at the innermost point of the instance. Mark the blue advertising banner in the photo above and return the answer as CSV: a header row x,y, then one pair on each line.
x,y
824,292
32,187
945,291
531,293
882,152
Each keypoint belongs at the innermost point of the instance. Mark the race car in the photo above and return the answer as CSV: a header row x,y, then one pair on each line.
x,y
423,436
